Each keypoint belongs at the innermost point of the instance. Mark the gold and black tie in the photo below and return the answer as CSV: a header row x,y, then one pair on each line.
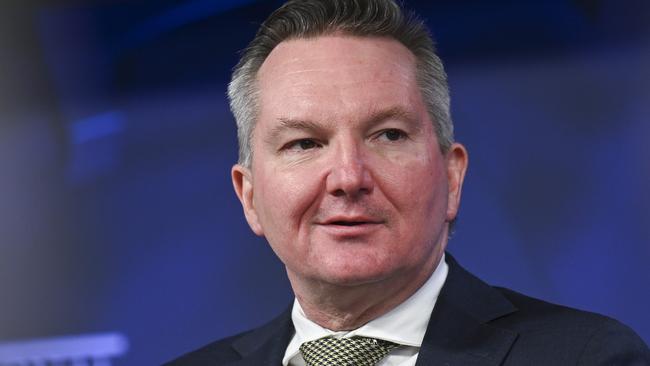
x,y
353,351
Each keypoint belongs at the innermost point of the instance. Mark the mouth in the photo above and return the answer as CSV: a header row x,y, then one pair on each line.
x,y
349,223
351,227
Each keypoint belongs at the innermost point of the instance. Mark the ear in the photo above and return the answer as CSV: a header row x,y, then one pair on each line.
x,y
242,181
457,160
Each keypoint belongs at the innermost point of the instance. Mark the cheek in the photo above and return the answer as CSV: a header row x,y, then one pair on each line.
x,y
417,188
416,181
284,202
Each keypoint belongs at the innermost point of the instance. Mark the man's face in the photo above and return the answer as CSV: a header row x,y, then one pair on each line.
x,y
348,183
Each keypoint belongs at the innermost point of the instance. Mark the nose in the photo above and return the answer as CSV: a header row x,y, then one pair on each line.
x,y
349,175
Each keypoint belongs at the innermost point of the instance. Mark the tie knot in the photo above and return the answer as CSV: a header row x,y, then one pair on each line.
x,y
353,351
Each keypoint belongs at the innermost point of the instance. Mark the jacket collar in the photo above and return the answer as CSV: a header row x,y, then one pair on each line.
x,y
459,332
265,345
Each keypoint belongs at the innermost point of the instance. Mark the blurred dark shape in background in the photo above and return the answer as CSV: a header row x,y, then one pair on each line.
x,y
116,207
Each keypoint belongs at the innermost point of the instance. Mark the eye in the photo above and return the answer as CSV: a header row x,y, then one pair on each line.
x,y
392,134
301,144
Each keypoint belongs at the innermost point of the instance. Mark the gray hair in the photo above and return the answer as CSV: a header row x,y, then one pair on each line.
x,y
313,18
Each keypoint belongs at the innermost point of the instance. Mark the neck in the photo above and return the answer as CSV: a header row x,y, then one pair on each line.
x,y
341,307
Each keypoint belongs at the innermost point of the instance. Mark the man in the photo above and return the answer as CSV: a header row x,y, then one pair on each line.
x,y
349,169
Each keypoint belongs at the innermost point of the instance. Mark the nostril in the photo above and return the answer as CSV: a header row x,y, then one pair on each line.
x,y
349,180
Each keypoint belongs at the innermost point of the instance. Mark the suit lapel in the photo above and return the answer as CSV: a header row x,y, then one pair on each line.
x,y
459,332
266,345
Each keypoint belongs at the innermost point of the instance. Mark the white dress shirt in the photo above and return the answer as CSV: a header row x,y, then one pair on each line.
x,y
404,325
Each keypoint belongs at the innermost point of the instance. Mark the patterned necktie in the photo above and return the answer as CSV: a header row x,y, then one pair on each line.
x,y
354,351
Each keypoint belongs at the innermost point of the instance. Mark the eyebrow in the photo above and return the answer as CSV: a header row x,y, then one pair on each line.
x,y
287,124
397,112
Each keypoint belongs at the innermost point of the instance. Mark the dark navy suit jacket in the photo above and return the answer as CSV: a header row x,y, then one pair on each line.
x,y
472,324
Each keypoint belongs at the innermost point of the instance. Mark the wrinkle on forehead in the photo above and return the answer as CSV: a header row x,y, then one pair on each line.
x,y
337,78
296,57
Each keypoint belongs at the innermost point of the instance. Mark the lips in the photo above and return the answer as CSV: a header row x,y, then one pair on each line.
x,y
348,223
342,227
351,221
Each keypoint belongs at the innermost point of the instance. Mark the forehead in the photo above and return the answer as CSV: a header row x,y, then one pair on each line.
x,y
347,52
336,72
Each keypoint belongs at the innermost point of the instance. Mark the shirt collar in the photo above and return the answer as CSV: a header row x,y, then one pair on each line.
x,y
405,324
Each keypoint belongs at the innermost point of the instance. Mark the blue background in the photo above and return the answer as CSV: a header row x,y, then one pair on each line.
x,y
116,206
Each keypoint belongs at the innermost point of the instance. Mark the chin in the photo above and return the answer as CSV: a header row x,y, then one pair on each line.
x,y
354,275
